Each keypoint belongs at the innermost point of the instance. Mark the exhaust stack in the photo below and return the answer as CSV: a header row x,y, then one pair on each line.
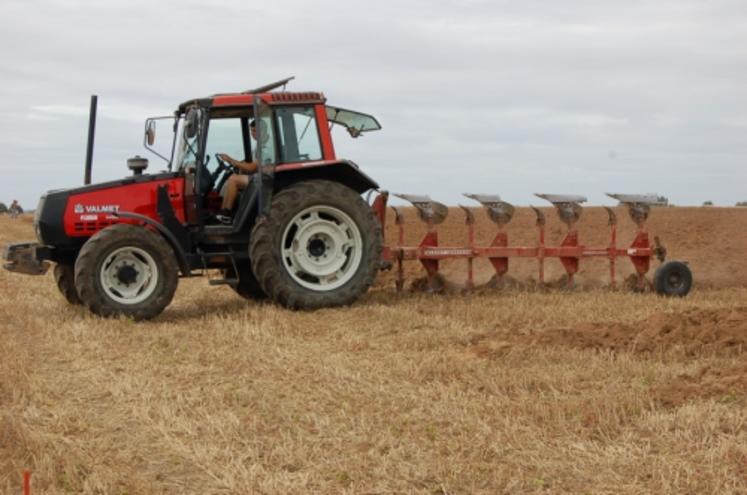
x,y
91,134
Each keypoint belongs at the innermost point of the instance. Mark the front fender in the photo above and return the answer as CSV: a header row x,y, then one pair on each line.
x,y
181,257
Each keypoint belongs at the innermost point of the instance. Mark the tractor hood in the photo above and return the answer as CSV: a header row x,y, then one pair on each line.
x,y
64,215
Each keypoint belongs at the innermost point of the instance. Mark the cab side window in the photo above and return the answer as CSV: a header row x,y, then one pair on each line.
x,y
298,134
224,136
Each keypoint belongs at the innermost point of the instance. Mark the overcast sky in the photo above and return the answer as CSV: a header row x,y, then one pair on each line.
x,y
507,97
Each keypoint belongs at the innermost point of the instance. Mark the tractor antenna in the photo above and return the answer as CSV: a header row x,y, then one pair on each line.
x,y
271,86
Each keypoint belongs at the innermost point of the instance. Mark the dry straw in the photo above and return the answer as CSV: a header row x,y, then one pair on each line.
x,y
421,394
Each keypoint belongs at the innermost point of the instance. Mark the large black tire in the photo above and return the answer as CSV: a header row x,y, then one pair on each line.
x,y
109,261
355,241
64,275
248,286
673,278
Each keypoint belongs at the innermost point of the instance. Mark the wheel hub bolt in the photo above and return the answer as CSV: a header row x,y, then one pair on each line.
x,y
126,274
317,248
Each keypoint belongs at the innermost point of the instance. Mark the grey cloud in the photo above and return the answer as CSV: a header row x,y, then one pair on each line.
x,y
513,97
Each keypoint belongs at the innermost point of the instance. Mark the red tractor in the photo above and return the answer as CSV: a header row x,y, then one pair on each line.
x,y
119,247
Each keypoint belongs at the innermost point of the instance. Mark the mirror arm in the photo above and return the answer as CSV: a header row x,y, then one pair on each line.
x,y
148,123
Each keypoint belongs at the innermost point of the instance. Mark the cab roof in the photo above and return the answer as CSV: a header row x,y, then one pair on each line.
x,y
246,98
354,122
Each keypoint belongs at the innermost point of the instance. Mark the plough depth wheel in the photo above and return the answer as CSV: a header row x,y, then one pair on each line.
x,y
673,278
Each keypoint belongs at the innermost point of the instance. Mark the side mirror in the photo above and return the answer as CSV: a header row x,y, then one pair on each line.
x,y
164,148
150,132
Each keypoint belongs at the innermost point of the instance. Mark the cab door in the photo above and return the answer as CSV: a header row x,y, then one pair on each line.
x,y
267,156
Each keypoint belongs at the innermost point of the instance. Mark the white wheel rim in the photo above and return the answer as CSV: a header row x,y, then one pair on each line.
x,y
321,248
129,275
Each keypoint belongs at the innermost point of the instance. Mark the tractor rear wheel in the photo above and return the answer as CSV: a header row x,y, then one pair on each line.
x,y
320,246
64,275
248,286
673,278
126,270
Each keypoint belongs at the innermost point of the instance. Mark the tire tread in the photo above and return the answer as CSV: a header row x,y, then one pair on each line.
x,y
64,275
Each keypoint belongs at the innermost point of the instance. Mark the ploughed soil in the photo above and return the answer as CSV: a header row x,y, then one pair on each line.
x,y
726,384
709,239
694,333
712,240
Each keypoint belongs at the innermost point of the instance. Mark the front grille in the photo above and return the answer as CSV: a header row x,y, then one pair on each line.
x,y
91,227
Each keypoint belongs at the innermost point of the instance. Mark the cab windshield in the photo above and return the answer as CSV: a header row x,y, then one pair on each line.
x,y
188,142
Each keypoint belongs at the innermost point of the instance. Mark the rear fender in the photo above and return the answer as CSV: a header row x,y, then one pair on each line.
x,y
342,171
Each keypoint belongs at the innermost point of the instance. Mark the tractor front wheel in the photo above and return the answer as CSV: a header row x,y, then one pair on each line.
x,y
126,270
320,246
64,275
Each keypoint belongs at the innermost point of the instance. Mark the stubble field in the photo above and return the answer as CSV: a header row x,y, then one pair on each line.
x,y
520,391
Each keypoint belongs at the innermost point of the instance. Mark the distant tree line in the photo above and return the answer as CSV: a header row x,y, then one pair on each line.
x,y
738,203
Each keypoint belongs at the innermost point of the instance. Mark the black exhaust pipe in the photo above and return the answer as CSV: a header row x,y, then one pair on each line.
x,y
91,133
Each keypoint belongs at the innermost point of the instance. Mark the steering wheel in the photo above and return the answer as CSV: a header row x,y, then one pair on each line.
x,y
222,165
223,168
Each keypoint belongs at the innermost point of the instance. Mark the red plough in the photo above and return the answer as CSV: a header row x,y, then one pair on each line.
x,y
672,278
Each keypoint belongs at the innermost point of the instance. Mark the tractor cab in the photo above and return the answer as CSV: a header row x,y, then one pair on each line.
x,y
287,134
